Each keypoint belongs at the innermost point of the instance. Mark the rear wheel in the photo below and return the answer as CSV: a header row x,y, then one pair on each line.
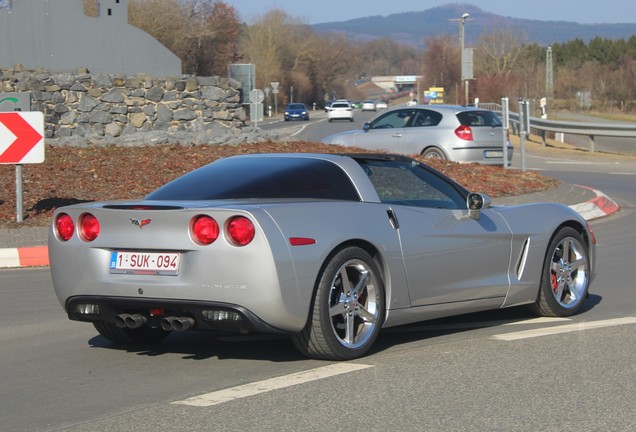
x,y
566,276
348,308
126,336
434,153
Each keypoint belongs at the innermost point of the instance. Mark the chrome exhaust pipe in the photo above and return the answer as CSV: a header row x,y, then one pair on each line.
x,y
166,323
135,321
182,323
120,320
130,321
177,323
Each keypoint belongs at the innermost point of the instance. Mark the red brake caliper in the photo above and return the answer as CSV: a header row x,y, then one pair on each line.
x,y
553,281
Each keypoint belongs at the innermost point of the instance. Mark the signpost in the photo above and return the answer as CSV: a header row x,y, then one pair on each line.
x,y
21,141
256,105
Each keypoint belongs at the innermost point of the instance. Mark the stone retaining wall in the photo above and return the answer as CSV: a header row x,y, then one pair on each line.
x,y
81,104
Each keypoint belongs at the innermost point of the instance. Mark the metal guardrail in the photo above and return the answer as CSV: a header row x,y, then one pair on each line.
x,y
591,130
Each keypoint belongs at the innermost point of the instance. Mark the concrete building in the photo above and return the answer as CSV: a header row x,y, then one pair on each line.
x,y
57,35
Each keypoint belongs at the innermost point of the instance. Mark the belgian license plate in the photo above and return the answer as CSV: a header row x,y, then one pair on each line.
x,y
145,263
493,153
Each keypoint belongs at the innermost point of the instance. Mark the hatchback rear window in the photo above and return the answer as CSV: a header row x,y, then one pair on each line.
x,y
479,118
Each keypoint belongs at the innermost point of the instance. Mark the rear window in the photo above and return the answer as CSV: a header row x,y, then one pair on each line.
x,y
340,105
479,118
271,177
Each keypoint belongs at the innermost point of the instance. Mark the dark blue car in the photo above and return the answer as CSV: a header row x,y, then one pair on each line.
x,y
296,111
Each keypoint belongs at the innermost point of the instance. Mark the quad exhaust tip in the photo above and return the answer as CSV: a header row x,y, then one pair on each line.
x,y
177,323
131,321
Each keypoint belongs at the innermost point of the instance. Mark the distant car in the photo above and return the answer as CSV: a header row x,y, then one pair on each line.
x,y
329,249
356,104
369,105
381,105
340,110
411,102
443,132
296,111
328,105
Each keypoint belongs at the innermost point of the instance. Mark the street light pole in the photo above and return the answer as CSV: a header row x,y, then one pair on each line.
x,y
462,20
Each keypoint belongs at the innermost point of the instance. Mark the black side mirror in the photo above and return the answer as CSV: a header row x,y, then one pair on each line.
x,y
366,127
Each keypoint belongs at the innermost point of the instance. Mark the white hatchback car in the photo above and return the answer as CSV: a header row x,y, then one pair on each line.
x,y
340,110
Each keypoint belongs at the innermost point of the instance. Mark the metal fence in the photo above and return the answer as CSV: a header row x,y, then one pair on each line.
x,y
591,130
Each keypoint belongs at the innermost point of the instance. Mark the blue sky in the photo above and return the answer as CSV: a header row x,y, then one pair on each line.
x,y
317,11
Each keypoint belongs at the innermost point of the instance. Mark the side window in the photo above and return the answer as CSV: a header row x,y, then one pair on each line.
x,y
393,119
404,183
423,118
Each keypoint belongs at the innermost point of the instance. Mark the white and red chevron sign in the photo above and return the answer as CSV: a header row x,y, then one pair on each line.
x,y
21,137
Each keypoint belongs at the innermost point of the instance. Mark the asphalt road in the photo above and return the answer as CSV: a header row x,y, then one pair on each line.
x,y
496,371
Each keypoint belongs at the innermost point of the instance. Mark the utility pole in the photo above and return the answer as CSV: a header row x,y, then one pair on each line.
x,y
466,56
549,74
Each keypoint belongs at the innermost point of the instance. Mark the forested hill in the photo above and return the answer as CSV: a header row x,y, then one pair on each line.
x,y
414,27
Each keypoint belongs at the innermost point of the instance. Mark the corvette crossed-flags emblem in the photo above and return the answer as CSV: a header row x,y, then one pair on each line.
x,y
21,137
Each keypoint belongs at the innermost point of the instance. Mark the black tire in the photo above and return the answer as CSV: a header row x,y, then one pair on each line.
x,y
346,313
565,277
351,119
434,153
330,120
126,336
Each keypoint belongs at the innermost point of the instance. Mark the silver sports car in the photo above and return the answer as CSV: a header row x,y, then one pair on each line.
x,y
326,248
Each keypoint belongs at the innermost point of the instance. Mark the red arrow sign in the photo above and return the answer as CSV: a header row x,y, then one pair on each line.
x,y
25,137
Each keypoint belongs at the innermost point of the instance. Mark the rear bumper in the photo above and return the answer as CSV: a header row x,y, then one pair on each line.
x,y
110,307
483,155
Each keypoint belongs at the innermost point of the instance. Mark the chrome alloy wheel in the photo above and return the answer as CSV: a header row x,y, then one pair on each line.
x,y
569,272
353,304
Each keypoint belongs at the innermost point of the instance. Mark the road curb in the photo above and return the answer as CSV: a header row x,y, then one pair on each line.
x,y
34,256
599,206
38,256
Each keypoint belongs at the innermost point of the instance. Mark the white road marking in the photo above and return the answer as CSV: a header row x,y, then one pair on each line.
x,y
526,334
473,325
565,162
230,394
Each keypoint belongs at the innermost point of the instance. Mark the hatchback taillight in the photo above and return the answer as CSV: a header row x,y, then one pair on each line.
x,y
464,132
64,226
204,229
89,227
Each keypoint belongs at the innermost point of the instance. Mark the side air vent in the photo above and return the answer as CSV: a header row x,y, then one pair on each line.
x,y
523,257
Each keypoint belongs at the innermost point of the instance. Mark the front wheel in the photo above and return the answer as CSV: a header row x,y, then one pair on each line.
x,y
566,276
348,308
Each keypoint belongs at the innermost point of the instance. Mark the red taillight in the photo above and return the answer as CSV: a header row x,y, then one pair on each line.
x,y
240,230
464,132
89,227
204,229
64,226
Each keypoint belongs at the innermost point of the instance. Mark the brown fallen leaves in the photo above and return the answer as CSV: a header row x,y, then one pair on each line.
x,y
75,174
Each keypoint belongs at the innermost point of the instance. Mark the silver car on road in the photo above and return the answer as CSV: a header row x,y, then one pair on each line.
x,y
454,133
326,248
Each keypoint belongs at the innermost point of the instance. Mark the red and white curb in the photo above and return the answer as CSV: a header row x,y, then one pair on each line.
x,y
35,256
599,206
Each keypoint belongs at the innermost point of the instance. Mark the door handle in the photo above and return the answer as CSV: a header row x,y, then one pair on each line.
x,y
397,135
